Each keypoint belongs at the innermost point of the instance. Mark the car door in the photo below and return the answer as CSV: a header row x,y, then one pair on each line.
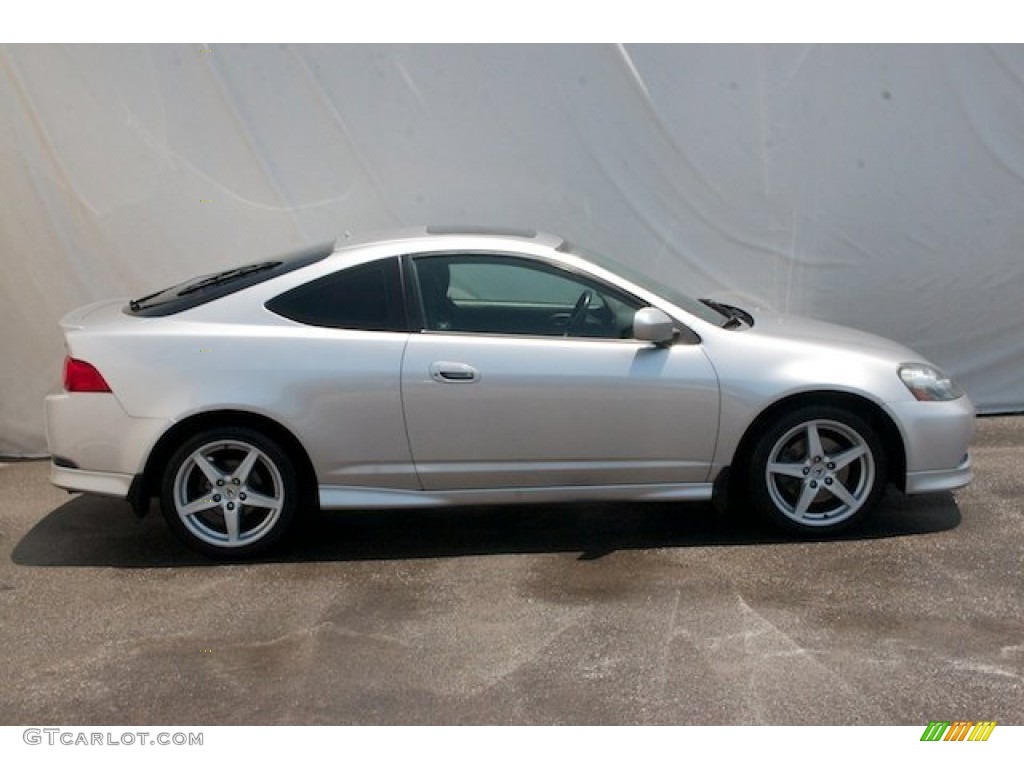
x,y
525,375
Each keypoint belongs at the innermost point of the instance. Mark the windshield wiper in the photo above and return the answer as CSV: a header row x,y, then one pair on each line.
x,y
136,304
732,319
223,277
735,316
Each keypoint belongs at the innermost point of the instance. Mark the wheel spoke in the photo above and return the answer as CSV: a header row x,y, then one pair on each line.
x,y
207,468
197,506
804,502
849,456
787,469
840,491
231,521
813,441
241,473
259,500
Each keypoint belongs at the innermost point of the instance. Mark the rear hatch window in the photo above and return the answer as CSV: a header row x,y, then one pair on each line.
x,y
205,288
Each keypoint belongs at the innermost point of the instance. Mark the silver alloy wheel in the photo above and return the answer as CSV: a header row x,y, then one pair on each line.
x,y
228,493
820,473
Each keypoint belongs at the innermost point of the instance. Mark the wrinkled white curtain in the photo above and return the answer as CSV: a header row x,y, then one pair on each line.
x,y
877,186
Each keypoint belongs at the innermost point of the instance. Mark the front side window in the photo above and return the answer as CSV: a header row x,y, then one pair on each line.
x,y
512,295
367,297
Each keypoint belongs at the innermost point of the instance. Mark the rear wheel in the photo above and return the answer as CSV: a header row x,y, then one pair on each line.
x,y
229,492
817,470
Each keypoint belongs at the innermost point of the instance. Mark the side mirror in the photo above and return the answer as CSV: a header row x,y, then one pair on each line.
x,y
653,325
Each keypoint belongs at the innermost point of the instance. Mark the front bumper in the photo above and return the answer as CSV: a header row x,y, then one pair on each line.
x,y
933,480
936,439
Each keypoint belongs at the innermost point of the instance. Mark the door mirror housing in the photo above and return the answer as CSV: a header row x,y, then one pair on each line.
x,y
653,325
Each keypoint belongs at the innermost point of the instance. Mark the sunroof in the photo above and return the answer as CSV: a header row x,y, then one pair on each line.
x,y
474,229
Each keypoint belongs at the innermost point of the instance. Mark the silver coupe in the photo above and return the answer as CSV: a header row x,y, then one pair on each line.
x,y
447,366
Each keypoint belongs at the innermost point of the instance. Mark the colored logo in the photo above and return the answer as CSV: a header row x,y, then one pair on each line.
x,y
959,730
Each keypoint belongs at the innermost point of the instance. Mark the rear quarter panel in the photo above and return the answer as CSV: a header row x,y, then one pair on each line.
x,y
337,391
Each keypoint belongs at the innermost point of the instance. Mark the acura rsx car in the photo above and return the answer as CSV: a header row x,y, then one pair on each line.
x,y
448,366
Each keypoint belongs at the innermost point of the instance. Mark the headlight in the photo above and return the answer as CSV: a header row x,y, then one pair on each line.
x,y
928,383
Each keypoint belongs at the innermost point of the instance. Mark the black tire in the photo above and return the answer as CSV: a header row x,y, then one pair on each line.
x,y
817,471
230,492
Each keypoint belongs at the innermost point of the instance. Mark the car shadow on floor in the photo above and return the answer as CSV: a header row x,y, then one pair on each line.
x,y
93,531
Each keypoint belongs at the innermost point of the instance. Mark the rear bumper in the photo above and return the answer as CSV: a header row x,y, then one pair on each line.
x,y
97,447
87,481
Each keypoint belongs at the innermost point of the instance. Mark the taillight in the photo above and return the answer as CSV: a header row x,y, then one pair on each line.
x,y
80,376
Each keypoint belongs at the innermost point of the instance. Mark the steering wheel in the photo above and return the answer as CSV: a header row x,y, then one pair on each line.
x,y
578,316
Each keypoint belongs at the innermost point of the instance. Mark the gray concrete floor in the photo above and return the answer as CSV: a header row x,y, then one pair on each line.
x,y
596,614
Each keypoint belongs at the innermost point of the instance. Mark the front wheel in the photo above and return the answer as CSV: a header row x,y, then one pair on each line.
x,y
817,470
229,492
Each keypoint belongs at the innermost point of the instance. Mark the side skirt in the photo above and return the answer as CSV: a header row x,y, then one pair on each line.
x,y
354,497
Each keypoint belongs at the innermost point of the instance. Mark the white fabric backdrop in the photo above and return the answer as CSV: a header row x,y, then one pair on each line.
x,y
876,186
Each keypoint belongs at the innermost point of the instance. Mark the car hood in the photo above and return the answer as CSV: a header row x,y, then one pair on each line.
x,y
791,328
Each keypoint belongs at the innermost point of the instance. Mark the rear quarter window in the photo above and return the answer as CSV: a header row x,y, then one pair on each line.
x,y
367,297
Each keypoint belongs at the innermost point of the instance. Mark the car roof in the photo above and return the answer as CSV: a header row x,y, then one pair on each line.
x,y
445,235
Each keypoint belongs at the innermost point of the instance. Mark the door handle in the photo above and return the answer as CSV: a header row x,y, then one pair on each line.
x,y
447,372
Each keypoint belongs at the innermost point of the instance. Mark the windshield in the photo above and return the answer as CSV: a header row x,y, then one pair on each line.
x,y
708,314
